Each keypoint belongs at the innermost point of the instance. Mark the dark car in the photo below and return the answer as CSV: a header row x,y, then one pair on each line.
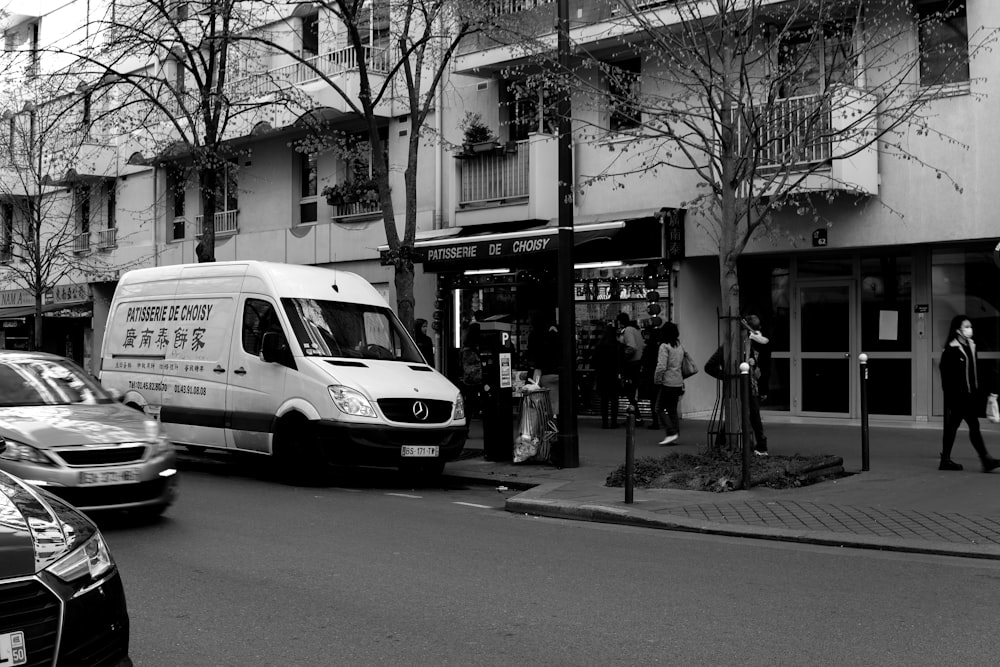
x,y
67,434
61,597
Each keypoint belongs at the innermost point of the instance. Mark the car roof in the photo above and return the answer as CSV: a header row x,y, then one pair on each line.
x,y
14,355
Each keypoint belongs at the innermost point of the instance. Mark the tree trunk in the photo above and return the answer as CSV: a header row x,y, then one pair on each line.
x,y
209,185
404,294
36,343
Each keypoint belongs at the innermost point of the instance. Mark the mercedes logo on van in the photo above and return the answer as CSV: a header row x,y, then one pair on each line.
x,y
421,411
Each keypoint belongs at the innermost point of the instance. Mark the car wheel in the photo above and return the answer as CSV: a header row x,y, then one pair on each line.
x,y
297,453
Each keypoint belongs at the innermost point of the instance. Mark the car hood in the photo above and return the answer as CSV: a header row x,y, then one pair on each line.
x,y
388,379
46,426
35,529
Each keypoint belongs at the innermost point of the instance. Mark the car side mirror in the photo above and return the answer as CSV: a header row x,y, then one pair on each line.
x,y
3,445
116,395
273,348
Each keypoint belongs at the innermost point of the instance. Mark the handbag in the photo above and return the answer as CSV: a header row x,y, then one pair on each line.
x,y
992,409
688,367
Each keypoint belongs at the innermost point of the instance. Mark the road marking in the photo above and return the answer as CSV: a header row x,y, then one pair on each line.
x,y
403,495
485,507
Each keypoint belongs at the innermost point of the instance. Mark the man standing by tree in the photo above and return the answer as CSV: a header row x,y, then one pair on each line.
x,y
758,355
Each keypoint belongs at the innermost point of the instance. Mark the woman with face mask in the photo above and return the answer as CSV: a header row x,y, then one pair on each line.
x,y
960,382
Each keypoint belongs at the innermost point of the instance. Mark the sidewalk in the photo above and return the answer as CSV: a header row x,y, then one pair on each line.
x,y
902,504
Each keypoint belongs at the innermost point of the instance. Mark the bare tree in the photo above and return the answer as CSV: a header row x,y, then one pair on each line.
x,y
402,50
46,211
758,105
184,86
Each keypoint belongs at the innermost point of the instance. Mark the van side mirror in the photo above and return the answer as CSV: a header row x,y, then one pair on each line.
x,y
273,348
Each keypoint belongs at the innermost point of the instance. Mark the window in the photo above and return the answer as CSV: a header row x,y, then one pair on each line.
x,y
176,185
111,197
310,36
7,232
307,188
528,110
85,118
259,318
623,93
227,198
811,60
82,196
943,40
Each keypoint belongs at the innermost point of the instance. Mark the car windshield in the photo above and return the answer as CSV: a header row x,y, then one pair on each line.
x,y
36,381
349,330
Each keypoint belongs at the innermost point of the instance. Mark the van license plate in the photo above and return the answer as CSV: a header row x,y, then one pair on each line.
x,y
12,650
105,477
423,450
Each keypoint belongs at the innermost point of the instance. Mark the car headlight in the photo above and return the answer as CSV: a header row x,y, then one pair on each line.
x,y
92,557
18,451
351,402
459,412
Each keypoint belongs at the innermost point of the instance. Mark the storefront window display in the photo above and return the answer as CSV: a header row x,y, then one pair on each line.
x,y
515,302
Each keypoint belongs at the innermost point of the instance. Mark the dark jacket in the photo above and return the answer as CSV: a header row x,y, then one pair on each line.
x,y
959,372
425,345
606,359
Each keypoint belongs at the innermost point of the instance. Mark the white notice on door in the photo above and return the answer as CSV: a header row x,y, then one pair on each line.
x,y
888,325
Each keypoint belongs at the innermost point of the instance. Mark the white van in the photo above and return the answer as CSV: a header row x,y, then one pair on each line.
x,y
305,363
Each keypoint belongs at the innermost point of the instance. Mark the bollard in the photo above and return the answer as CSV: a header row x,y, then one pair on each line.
x,y
745,414
863,358
629,453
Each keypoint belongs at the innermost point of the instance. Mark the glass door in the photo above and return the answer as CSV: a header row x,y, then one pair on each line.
x,y
827,347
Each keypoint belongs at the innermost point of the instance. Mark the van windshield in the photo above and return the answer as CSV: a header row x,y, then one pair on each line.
x,y
349,330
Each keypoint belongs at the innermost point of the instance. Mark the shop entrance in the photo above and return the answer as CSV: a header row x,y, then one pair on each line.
x,y
827,347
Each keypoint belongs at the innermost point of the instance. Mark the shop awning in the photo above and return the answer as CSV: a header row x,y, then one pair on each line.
x,y
82,309
474,247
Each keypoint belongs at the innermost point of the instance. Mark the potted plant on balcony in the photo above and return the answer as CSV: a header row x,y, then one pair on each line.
x,y
477,136
363,190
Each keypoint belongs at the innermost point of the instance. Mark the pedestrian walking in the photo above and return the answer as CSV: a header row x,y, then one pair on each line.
x,y
630,337
423,341
758,355
669,381
962,398
648,389
606,360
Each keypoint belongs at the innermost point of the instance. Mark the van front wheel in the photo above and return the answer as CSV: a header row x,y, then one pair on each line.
x,y
296,451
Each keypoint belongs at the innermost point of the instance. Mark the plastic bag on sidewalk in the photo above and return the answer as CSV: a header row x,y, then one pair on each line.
x,y
992,409
537,429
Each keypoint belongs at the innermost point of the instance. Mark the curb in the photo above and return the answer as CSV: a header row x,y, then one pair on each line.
x,y
533,501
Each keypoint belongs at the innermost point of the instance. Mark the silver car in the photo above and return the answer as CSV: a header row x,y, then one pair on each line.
x,y
67,434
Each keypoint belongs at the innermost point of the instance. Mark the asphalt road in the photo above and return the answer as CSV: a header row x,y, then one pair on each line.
x,y
247,571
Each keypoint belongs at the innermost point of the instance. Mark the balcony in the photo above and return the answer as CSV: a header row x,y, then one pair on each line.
x,y
225,223
331,64
355,210
794,138
107,238
512,183
81,242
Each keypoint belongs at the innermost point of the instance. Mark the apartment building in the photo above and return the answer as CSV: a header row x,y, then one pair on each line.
x,y
879,269
900,238
131,187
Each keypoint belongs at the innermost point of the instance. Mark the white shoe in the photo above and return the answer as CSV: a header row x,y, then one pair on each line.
x,y
667,440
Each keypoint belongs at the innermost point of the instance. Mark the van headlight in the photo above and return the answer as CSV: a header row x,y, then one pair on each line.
x,y
92,557
459,411
351,402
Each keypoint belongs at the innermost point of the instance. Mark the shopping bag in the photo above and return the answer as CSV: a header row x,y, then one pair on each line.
x,y
688,367
992,409
537,429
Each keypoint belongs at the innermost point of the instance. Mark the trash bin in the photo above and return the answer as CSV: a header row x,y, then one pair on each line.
x,y
537,429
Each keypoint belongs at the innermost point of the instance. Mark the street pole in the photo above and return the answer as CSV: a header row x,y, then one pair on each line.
x,y
569,445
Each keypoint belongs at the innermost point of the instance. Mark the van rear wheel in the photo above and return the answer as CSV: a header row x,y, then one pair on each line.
x,y
297,453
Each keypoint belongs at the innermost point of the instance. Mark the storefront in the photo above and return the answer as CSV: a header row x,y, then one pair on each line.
x,y
821,310
505,278
66,321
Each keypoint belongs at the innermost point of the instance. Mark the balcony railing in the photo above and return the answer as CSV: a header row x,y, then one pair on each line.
x,y
793,133
81,243
107,238
330,64
358,208
494,176
225,223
